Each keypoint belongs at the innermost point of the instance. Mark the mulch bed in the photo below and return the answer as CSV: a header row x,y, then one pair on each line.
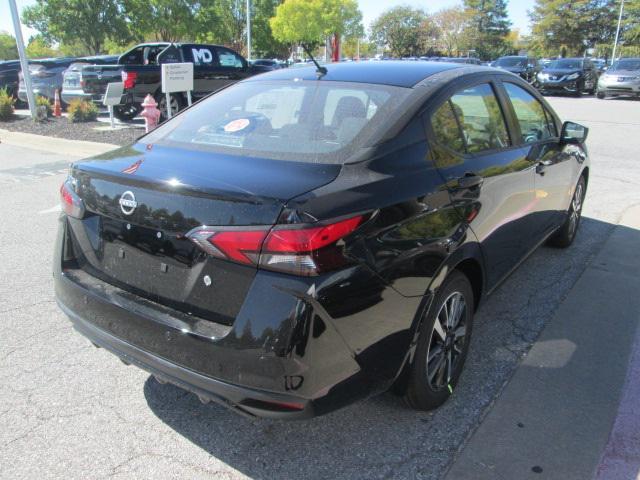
x,y
63,128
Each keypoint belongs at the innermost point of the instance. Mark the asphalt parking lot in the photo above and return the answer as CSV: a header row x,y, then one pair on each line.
x,y
69,410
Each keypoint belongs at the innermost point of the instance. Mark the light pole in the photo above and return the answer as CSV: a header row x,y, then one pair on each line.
x,y
24,64
615,43
248,29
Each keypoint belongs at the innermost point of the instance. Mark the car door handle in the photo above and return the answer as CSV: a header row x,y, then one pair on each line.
x,y
469,181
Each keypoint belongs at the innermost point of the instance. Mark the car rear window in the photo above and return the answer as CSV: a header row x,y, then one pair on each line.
x,y
305,121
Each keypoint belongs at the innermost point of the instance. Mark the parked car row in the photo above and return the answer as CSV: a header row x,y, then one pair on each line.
x,y
87,78
576,75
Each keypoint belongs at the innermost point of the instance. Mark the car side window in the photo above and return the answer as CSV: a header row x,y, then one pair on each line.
x,y
535,123
229,59
480,118
446,129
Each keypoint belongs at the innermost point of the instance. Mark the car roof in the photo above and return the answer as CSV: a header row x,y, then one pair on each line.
x,y
395,73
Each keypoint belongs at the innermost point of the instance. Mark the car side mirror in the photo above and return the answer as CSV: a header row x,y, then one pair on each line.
x,y
573,133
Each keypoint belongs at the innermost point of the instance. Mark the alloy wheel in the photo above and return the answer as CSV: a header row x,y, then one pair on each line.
x,y
576,208
175,106
447,341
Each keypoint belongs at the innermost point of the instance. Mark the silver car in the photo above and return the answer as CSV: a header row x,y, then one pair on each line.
x,y
623,78
46,77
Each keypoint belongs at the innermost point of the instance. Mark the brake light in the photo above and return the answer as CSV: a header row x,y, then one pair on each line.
x,y
307,251
300,250
71,204
129,79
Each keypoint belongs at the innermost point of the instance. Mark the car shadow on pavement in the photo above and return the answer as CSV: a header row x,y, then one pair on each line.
x,y
381,437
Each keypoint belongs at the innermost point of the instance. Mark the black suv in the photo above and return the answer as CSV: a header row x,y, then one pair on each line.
x,y
569,75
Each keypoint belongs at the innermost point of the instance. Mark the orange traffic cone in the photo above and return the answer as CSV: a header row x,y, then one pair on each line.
x,y
57,110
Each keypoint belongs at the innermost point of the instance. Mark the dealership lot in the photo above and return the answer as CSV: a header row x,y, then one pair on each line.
x,y
69,410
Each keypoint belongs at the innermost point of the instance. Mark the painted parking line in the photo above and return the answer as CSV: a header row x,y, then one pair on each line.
x,y
34,172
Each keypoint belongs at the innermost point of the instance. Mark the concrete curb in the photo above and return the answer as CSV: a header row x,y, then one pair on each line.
x,y
621,457
78,148
555,416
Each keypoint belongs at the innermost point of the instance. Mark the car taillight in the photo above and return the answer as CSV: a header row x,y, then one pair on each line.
x,y
299,250
129,79
71,203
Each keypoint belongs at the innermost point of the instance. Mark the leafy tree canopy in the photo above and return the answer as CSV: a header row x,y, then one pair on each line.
x,y
569,27
8,48
309,22
404,30
89,22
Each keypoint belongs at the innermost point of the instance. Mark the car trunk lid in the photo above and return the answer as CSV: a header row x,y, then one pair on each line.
x,y
140,203
95,78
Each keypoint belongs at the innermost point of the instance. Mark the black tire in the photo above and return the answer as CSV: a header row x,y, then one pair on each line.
x,y
438,360
128,112
579,89
567,232
601,95
177,104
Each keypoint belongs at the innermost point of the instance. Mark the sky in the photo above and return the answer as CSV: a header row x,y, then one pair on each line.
x,y
370,10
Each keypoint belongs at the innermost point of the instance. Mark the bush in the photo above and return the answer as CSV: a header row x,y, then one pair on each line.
x,y
6,104
44,101
82,111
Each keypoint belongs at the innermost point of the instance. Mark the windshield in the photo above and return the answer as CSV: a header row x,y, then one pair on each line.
x,y
566,63
626,64
308,121
511,62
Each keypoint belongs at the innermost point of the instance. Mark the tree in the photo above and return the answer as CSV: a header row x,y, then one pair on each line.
x,y
350,48
162,20
38,47
8,48
569,27
89,22
631,25
402,30
262,39
453,23
488,26
310,22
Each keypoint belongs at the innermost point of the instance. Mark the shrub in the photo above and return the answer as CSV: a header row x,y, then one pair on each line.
x,y
82,111
6,104
44,101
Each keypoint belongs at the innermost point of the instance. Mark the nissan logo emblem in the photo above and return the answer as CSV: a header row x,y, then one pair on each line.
x,y
128,202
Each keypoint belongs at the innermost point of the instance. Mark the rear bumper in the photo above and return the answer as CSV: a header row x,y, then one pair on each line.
x,y
47,91
285,355
69,95
243,400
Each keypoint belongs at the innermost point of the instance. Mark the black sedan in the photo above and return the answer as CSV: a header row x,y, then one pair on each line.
x,y
310,237
569,75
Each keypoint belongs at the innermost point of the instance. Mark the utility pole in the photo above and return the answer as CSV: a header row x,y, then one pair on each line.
x,y
615,43
24,64
248,29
